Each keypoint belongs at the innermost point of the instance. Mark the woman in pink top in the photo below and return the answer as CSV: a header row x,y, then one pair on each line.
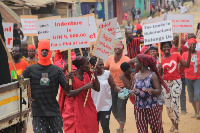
x,y
113,64
169,64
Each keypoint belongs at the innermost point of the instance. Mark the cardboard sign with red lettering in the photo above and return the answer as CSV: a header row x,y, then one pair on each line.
x,y
42,26
109,25
28,24
182,23
8,33
69,33
104,45
98,21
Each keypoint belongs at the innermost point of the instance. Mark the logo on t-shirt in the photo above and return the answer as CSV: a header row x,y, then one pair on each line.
x,y
44,80
14,75
171,67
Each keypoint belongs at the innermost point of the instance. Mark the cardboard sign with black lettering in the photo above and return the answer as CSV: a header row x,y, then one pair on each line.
x,y
69,33
157,32
104,45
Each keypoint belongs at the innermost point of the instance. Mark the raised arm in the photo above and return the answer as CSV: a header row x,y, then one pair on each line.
x,y
183,62
127,83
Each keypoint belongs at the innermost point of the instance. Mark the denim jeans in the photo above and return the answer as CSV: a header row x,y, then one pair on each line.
x,y
118,107
183,96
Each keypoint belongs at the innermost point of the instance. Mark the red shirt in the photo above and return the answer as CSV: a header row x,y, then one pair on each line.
x,y
189,72
144,48
170,66
175,50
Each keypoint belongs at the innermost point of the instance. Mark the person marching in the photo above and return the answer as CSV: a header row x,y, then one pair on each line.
x,y
146,89
192,75
169,67
79,119
103,98
113,64
45,79
32,55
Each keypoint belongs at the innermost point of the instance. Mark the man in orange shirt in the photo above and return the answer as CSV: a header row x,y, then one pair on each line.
x,y
19,64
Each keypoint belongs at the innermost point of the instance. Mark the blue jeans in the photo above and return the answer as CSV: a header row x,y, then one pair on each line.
x,y
193,90
118,107
183,96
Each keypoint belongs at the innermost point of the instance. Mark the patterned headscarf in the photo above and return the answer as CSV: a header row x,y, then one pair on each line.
x,y
149,61
79,61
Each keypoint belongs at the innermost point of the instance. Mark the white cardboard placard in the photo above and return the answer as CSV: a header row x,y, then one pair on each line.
x,y
182,23
157,32
69,33
92,29
109,25
104,45
8,33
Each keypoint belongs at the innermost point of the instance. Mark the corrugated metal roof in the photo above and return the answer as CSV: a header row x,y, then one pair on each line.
x,y
38,3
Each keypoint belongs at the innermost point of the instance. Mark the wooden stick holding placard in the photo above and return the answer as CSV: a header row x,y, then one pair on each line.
x,y
90,81
95,46
33,42
81,52
179,41
159,52
69,65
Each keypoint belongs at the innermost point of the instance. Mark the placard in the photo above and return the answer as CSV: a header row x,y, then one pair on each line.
x,y
28,25
109,25
104,45
157,32
8,33
182,23
92,27
118,32
69,33
153,20
42,26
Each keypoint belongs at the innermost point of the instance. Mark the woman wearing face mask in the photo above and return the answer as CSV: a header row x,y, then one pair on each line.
x,y
147,88
113,64
31,55
103,99
169,64
76,118
192,75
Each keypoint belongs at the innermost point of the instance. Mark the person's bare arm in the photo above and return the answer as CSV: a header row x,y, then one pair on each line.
x,y
127,83
156,84
112,84
96,85
184,63
132,61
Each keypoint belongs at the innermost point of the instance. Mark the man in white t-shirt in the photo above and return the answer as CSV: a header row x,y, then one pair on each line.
x,y
183,9
193,36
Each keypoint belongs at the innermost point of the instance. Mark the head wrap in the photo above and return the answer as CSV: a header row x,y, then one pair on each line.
x,y
44,44
138,26
31,46
192,40
149,61
79,61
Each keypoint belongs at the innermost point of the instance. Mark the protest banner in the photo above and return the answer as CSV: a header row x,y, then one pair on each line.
x,y
153,20
98,21
28,25
109,25
8,33
118,32
69,33
182,23
42,26
103,45
157,32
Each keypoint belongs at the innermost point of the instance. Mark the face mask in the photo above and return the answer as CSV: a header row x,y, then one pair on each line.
x,y
44,44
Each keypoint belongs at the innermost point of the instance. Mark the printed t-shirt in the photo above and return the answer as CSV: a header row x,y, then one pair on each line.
x,y
170,66
45,81
115,69
189,72
20,68
175,50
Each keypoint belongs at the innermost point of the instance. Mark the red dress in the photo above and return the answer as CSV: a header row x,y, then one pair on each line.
x,y
76,118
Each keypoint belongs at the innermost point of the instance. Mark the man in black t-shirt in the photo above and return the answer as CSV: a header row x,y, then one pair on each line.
x,y
17,35
45,80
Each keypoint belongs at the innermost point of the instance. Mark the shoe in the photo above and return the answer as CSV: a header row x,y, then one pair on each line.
x,y
172,128
176,131
198,117
183,112
194,116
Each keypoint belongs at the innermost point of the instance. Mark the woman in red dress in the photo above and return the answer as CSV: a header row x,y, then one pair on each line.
x,y
76,118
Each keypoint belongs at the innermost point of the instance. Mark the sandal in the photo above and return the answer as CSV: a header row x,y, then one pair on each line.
x,y
172,128
176,131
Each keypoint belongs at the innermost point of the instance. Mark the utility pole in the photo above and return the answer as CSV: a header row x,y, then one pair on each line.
x,y
78,6
106,9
